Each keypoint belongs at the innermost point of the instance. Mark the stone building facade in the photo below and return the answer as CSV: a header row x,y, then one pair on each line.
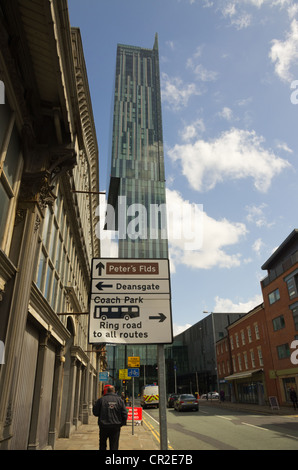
x,y
49,184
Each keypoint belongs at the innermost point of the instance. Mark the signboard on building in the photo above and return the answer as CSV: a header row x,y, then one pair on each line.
x,y
130,302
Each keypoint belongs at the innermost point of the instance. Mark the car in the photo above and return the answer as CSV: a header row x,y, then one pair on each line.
x,y
171,400
186,402
212,395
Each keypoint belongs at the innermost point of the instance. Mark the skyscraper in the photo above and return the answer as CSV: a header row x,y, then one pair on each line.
x,y
137,179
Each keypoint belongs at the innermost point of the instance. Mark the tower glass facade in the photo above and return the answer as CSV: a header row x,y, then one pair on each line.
x,y
137,181
137,178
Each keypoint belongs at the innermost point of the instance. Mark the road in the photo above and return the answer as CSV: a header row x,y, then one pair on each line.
x,y
213,428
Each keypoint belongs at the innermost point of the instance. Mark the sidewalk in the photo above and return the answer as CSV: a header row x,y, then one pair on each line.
x,y
86,437
247,407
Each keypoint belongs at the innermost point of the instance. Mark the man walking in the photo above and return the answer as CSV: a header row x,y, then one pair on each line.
x,y
112,414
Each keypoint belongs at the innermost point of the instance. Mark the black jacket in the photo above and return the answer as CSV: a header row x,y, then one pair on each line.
x,y
111,410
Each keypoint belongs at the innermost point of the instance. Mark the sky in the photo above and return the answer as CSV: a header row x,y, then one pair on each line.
x,y
229,85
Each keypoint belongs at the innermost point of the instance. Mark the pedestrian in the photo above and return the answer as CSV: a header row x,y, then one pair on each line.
x,y
222,396
293,397
112,414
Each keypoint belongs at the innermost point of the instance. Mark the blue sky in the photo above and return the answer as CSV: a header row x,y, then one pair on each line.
x,y
230,131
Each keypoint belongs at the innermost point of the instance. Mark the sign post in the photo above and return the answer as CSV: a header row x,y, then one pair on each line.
x,y
135,372
130,303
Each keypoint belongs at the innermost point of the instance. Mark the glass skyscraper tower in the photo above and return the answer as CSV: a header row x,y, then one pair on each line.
x,y
137,178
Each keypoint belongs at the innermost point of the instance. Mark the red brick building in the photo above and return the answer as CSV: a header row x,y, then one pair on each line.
x,y
280,293
257,358
243,357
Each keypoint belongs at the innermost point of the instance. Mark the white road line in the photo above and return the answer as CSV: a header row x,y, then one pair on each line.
x,y
224,417
257,427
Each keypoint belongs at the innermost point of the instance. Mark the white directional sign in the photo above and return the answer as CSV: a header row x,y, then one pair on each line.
x,y
130,302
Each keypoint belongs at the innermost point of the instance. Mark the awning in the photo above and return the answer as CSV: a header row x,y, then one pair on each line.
x,y
242,375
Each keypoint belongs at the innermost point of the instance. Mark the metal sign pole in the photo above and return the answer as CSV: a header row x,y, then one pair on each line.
x,y
162,398
133,404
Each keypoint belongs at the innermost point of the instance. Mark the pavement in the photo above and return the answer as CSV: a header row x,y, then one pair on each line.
x,y
144,437
251,408
86,437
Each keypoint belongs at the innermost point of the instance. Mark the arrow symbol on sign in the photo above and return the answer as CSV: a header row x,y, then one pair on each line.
x,y
101,286
161,317
100,267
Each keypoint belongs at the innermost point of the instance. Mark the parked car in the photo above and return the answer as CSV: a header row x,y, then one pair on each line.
x,y
212,395
171,400
186,402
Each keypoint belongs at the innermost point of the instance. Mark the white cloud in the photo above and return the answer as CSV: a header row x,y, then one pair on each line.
x,y
284,146
175,93
255,215
228,306
284,54
177,329
257,246
201,73
191,131
226,113
216,235
235,154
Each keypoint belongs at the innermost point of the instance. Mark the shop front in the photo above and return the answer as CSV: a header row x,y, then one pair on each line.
x,y
248,387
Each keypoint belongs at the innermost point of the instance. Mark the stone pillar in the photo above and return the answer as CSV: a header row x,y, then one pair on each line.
x,y
56,399
26,233
33,443
71,395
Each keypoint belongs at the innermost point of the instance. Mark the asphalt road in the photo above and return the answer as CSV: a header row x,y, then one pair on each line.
x,y
213,428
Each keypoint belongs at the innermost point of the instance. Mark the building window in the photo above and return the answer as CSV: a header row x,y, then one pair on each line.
x,y
294,309
283,351
237,340
232,342
239,362
257,331
292,285
260,356
274,296
279,322
252,357
249,334
242,337
245,360
234,364
10,170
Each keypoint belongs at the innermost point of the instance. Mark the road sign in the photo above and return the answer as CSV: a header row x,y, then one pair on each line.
x,y
135,372
130,302
131,286
109,268
133,361
103,376
123,374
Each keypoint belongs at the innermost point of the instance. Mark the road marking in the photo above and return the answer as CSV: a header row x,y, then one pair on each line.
x,y
224,417
153,430
253,426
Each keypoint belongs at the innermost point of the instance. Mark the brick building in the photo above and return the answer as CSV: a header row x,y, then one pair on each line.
x,y
243,357
280,293
254,360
